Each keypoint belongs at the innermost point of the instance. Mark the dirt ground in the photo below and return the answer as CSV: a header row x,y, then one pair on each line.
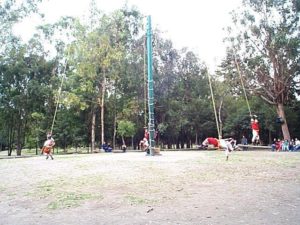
x,y
187,187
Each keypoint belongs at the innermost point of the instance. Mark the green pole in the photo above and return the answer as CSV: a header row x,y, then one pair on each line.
x,y
150,88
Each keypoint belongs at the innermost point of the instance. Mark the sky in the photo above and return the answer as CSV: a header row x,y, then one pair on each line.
x,y
196,24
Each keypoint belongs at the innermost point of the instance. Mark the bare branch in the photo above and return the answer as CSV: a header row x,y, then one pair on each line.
x,y
267,100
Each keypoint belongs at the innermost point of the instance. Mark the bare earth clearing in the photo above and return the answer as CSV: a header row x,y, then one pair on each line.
x,y
194,187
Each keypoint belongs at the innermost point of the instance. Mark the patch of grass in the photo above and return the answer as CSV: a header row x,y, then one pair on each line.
x,y
11,194
44,190
69,183
57,191
2,189
136,200
71,199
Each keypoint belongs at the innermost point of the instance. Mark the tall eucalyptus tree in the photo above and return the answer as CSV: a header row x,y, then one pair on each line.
x,y
98,54
267,49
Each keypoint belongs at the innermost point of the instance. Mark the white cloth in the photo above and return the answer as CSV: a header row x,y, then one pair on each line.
x,y
255,136
49,142
226,145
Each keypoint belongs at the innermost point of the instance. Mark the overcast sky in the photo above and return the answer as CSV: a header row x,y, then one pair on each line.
x,y
196,24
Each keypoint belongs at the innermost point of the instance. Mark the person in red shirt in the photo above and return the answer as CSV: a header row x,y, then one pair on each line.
x,y
255,130
211,141
228,144
146,133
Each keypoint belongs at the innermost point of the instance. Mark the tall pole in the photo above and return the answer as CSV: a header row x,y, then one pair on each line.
x,y
150,88
145,84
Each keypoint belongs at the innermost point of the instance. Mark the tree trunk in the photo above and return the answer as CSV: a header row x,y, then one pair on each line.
x,y
284,125
115,118
93,130
19,144
115,131
270,136
123,141
37,145
220,119
10,140
102,107
65,143
169,145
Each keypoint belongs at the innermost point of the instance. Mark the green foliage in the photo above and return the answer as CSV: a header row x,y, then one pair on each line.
x,y
126,128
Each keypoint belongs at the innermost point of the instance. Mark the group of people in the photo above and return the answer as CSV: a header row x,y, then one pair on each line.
x,y
278,144
286,145
106,147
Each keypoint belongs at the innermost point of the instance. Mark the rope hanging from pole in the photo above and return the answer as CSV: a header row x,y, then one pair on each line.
x,y
242,82
58,96
214,105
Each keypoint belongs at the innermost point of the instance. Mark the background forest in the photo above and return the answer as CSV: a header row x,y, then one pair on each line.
x,y
87,79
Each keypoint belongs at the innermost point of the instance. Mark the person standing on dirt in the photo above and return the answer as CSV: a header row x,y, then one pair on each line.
x,y
48,146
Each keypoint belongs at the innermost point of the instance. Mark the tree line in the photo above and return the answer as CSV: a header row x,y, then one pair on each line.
x,y
92,85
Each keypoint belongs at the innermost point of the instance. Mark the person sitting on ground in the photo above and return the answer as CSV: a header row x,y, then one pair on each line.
x,y
244,141
106,147
124,147
285,145
48,146
273,146
297,144
278,145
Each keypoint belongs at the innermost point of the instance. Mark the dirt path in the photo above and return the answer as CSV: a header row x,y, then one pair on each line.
x,y
195,187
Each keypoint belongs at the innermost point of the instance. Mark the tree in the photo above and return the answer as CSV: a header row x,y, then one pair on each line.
x,y
18,66
12,12
125,129
98,58
267,51
181,90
